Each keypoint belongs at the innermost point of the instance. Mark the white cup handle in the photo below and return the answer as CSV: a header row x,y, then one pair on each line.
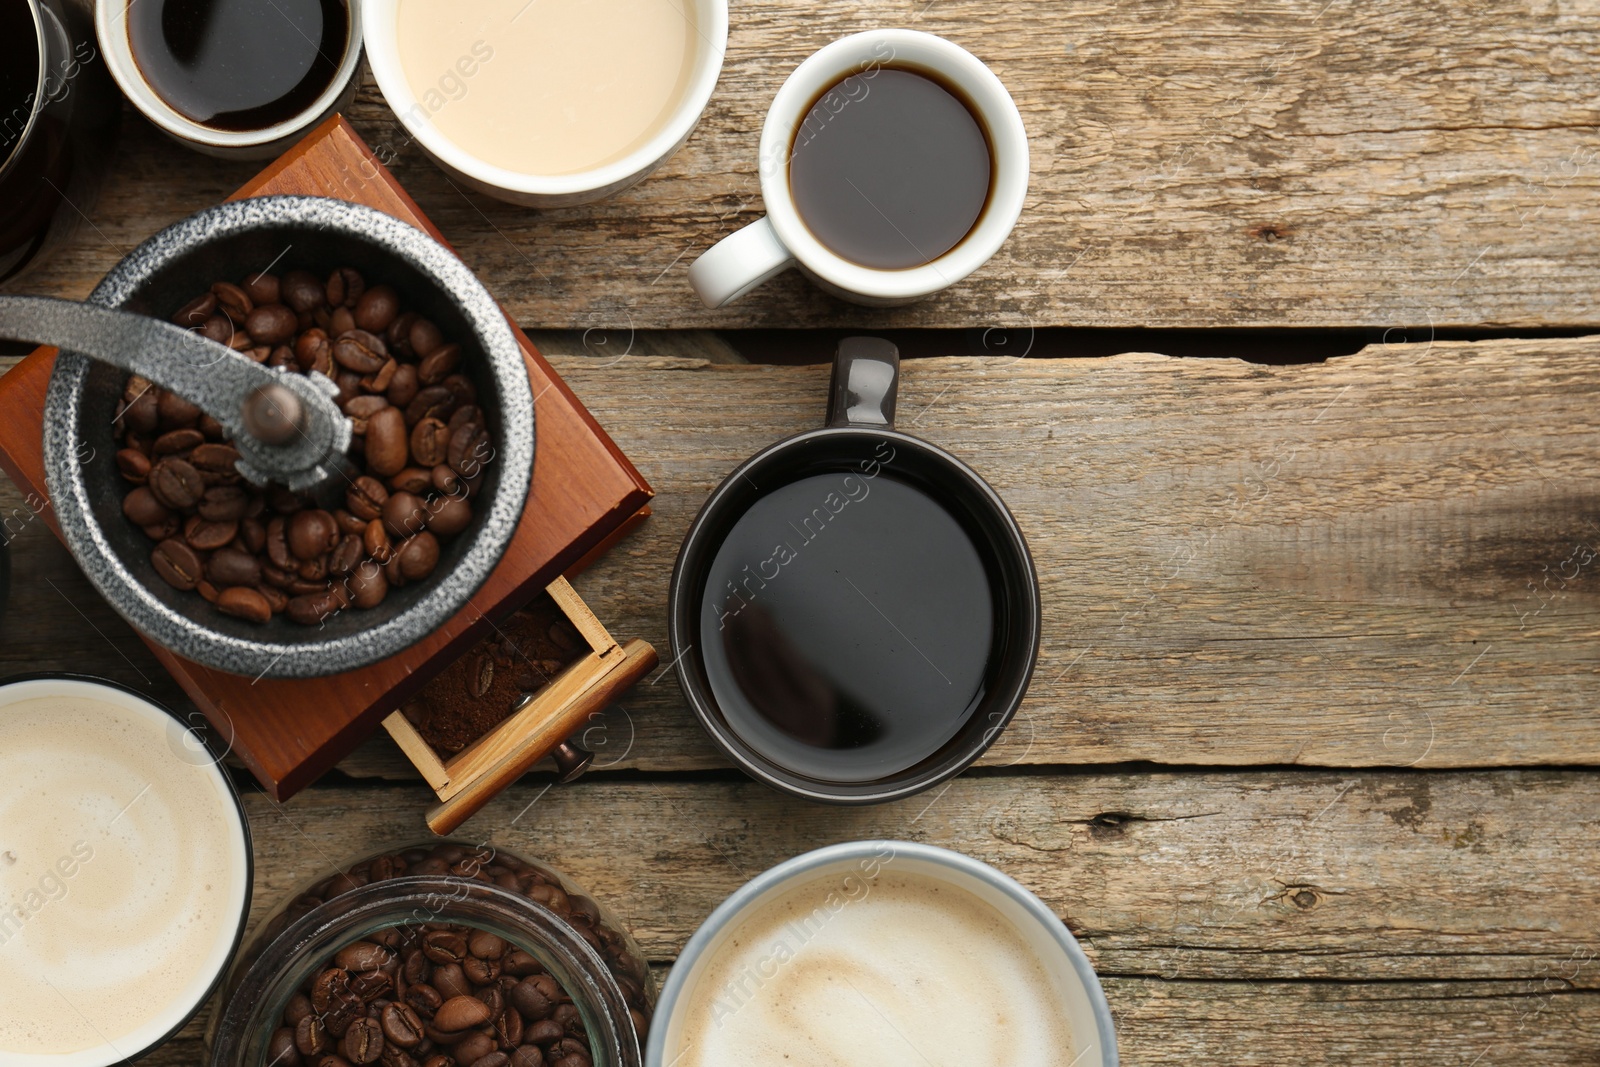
x,y
738,263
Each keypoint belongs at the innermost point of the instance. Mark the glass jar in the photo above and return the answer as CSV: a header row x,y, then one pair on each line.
x,y
393,898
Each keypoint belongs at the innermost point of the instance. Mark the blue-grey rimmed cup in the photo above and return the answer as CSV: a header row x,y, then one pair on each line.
x,y
230,242
192,744
1088,1015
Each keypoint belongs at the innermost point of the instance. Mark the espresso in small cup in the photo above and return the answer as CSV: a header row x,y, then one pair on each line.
x,y
893,164
897,174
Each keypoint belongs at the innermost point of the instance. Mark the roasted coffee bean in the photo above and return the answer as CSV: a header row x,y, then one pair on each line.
x,y
573,1059
403,386
176,441
543,1032
360,351
245,603
311,534
473,1047
368,586
379,381
133,465
176,483
445,946
277,599
402,1026
263,288
362,956
276,577
424,999
346,555
569,1018
490,993
530,1000
467,413
223,503
439,364
386,446
196,311
461,1013
478,972
469,450
278,544
462,388
377,308
450,982
365,497
447,481
486,946
312,609
314,572
175,412
170,526
208,536
434,401
448,515
415,480
340,321
345,287
253,533
217,328
493,1059
527,1056
311,1036
302,291
372,986
280,1049
363,1042
376,541
233,301
313,351
298,1008
177,564
430,442
210,456
519,963
404,514
508,1027
348,523
425,337
230,566
271,324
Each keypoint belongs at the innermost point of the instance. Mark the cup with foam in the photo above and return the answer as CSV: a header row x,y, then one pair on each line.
x,y
124,873
882,952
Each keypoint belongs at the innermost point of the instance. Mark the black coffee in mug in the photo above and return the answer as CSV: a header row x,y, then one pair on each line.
x,y
890,169
847,624
854,614
238,64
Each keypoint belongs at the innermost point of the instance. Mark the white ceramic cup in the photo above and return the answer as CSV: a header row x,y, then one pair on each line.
x,y
768,247
111,28
1084,1004
380,18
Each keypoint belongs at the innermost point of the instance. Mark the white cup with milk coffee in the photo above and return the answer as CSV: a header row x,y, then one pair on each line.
x,y
882,952
546,103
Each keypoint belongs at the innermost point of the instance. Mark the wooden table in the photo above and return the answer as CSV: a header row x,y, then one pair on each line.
x,y
1308,761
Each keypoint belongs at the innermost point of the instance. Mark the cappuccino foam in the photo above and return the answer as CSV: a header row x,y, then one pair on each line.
x,y
122,876
899,969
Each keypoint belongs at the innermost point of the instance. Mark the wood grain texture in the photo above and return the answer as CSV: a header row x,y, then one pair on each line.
x,y
1268,918
1195,162
1387,559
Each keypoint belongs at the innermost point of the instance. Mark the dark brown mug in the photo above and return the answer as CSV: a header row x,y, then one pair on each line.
x,y
889,633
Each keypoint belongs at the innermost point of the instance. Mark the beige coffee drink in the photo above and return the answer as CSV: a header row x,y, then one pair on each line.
x,y
546,87
122,875
902,968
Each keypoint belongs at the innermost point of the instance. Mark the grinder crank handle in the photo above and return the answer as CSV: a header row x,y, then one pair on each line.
x,y
287,427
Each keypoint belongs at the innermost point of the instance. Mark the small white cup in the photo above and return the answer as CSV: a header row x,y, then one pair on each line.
x,y
768,247
111,28
547,190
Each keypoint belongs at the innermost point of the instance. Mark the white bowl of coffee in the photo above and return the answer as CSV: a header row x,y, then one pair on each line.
x,y
882,952
124,873
547,103
233,78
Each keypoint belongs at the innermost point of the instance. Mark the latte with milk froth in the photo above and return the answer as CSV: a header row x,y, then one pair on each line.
x,y
900,968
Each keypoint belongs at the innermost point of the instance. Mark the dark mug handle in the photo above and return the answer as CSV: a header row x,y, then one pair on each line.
x,y
866,379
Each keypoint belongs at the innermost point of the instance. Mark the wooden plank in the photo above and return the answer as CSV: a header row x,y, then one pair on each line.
x,y
1195,163
1265,876
1374,561
1420,1024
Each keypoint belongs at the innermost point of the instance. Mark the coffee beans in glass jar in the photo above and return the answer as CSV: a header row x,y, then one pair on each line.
x,y
447,994
419,446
